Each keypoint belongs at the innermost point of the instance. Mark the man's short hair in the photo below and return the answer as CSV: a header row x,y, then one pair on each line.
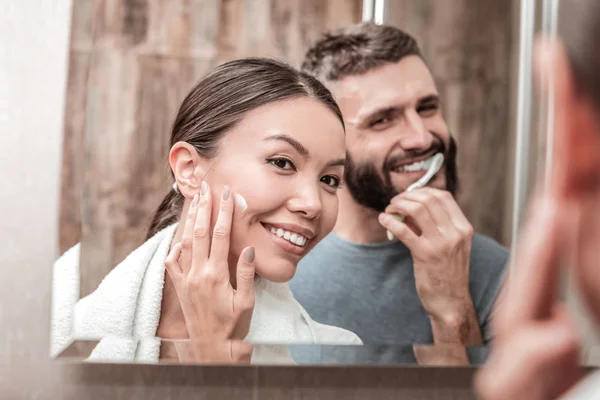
x,y
579,28
357,49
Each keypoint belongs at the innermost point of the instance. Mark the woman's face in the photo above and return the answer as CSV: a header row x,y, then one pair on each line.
x,y
287,160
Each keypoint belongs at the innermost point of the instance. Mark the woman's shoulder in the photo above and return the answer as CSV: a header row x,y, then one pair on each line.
x,y
329,334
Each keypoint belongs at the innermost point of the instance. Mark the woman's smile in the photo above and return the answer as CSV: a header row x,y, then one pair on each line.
x,y
290,237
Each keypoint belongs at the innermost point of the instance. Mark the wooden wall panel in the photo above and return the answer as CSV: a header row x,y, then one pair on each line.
x,y
468,46
131,64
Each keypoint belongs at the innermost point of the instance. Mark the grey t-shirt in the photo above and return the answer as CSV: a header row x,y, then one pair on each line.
x,y
370,289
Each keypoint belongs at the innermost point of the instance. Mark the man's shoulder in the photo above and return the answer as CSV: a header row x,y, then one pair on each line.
x,y
489,263
488,252
324,251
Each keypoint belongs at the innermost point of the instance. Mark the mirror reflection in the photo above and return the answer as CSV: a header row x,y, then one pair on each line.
x,y
318,191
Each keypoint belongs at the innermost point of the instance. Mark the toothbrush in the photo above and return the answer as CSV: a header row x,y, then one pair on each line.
x,y
436,164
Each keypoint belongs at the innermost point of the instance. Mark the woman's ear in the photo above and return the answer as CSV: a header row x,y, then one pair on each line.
x,y
188,168
576,137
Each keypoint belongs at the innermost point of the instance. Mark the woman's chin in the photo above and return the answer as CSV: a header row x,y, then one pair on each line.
x,y
279,271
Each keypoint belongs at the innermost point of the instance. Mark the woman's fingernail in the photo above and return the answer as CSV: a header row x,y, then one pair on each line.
x,y
204,188
249,255
241,202
225,194
194,201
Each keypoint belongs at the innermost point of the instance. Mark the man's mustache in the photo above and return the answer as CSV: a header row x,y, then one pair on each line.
x,y
393,161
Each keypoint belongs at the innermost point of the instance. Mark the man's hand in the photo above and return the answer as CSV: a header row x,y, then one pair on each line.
x,y
439,237
535,354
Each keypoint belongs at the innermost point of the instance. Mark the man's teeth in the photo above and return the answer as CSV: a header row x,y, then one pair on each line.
x,y
295,238
417,166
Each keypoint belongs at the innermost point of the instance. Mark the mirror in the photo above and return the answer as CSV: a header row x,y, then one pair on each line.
x,y
352,296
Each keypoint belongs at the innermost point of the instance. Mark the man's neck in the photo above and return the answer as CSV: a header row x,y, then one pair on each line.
x,y
356,223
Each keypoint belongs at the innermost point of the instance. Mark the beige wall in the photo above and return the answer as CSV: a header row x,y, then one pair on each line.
x,y
33,60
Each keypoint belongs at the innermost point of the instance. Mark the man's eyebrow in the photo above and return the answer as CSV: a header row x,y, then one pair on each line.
x,y
291,141
429,98
378,112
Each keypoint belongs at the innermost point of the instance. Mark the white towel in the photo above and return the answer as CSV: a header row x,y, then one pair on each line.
x,y
126,306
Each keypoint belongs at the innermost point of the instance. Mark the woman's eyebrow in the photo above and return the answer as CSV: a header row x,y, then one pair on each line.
x,y
291,141
303,150
338,162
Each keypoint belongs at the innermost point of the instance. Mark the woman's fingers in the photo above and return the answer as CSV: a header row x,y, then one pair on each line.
x,y
172,263
201,231
219,250
243,303
188,234
245,275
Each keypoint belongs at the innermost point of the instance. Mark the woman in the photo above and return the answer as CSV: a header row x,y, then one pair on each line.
x,y
257,153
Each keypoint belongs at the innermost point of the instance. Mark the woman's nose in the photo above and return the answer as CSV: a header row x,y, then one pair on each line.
x,y
307,202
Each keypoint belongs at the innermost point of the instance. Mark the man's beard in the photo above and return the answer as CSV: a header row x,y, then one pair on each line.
x,y
375,190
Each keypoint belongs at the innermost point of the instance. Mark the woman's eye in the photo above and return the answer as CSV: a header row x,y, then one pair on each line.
x,y
331,181
282,163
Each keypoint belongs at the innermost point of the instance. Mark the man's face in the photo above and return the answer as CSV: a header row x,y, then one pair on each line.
x,y
393,123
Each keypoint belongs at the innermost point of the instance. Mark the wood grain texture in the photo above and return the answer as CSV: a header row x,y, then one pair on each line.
x,y
132,63
467,45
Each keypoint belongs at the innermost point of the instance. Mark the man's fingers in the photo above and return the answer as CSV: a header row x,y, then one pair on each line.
x,y
434,202
418,213
400,230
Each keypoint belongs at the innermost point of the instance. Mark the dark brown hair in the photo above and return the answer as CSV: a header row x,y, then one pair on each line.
x,y
579,28
221,100
356,49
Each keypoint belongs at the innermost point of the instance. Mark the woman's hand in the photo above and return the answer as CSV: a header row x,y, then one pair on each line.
x,y
214,310
235,352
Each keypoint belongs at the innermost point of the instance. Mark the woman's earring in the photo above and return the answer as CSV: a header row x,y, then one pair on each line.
x,y
175,187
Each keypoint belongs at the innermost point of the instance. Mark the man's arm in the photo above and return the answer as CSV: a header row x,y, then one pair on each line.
x,y
440,240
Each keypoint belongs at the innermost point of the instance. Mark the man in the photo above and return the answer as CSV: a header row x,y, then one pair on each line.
x,y
437,282
536,350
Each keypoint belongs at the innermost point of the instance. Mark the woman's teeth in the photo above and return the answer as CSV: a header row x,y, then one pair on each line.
x,y
295,238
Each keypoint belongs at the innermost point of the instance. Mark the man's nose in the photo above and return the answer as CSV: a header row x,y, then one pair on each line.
x,y
414,135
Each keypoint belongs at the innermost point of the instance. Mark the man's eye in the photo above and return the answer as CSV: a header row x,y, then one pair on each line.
x,y
380,121
282,163
428,109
